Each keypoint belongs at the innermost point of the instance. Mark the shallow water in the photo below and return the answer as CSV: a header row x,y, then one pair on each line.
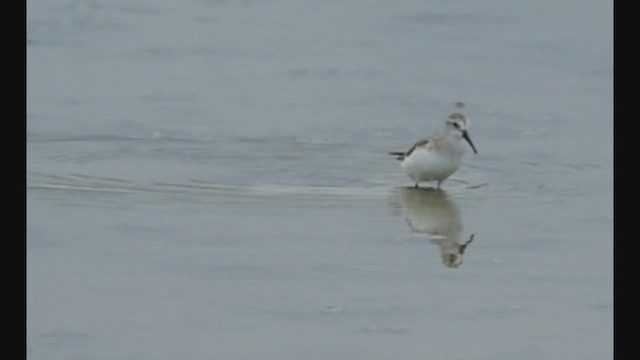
x,y
210,179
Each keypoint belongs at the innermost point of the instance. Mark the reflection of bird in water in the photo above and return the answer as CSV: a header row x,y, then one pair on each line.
x,y
430,212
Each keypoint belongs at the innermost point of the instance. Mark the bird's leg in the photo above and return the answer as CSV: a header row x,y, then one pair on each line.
x,y
416,185
438,185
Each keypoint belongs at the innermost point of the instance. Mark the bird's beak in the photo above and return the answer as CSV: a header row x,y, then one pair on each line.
x,y
465,135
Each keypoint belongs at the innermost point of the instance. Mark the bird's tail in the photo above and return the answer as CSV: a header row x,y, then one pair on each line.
x,y
399,155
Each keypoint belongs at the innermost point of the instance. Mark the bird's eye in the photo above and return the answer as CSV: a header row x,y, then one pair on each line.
x,y
457,126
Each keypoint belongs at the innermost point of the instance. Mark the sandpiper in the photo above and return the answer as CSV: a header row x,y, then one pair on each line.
x,y
438,156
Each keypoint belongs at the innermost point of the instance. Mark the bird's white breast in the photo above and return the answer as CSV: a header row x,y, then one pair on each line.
x,y
426,164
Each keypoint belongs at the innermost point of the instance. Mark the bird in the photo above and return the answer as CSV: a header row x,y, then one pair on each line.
x,y
437,156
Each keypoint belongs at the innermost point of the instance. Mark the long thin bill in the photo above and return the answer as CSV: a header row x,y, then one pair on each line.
x,y
466,137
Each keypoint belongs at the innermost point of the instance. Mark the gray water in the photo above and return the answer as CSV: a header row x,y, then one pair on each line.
x,y
209,179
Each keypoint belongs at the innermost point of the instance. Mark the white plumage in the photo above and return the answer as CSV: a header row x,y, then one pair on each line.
x,y
438,156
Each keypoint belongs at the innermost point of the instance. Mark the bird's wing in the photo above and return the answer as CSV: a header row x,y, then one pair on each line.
x,y
432,142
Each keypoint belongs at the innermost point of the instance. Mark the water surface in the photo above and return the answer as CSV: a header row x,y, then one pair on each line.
x,y
210,179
